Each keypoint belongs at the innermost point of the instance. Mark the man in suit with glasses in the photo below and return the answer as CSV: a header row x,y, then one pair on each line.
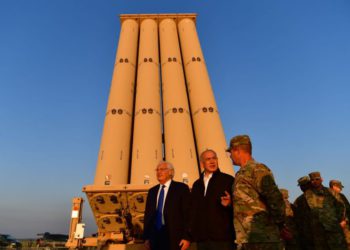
x,y
166,219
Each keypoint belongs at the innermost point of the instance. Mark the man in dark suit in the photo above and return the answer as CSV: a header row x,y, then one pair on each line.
x,y
167,212
212,214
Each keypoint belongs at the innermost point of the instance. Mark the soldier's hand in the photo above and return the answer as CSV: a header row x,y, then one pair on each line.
x,y
226,199
184,244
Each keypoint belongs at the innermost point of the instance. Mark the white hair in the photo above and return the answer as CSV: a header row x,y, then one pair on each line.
x,y
169,166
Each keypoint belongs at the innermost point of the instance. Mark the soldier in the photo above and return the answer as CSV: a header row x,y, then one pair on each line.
x,y
293,243
337,187
326,216
303,216
304,183
259,209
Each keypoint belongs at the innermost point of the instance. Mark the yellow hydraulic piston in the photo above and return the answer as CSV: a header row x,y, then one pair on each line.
x,y
147,149
113,159
178,133
207,125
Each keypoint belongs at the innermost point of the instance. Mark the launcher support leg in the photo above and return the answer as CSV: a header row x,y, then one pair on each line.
x,y
74,241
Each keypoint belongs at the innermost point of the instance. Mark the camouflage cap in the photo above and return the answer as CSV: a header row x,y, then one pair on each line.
x,y
315,175
284,193
303,180
336,183
238,140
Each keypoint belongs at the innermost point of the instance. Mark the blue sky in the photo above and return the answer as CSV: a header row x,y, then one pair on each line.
x,y
279,70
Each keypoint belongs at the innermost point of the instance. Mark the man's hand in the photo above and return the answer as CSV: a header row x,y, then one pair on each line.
x,y
147,244
184,244
226,199
286,234
343,224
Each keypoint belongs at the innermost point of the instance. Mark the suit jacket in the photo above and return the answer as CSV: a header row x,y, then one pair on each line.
x,y
209,219
176,213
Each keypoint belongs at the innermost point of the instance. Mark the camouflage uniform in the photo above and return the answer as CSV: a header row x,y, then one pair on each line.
x,y
303,221
347,227
347,206
258,208
292,244
346,215
326,214
302,215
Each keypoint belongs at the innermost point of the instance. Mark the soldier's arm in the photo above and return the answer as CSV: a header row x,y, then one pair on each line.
x,y
347,206
339,205
271,195
341,209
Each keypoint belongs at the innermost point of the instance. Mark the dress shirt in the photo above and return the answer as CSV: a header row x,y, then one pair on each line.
x,y
206,181
166,189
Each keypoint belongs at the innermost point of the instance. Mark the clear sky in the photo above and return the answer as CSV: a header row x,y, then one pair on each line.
x,y
280,71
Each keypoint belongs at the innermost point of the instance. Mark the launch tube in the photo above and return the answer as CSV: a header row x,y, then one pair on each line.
x,y
178,133
113,159
209,132
147,149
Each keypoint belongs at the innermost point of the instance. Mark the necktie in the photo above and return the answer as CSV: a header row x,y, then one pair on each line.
x,y
159,214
